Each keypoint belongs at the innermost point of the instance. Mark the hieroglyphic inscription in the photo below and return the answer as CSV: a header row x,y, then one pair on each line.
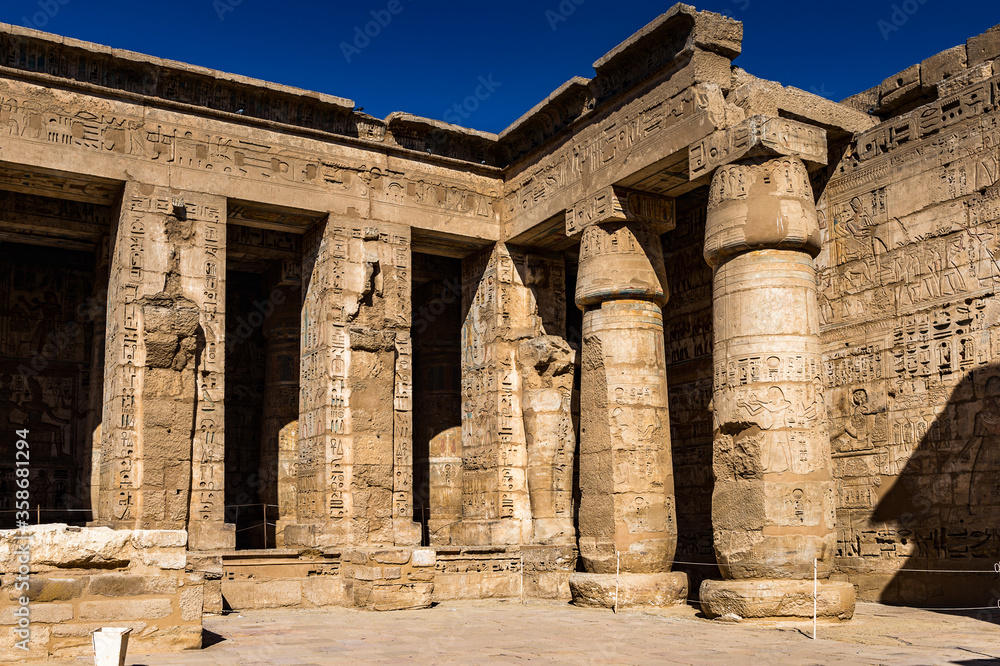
x,y
74,122
509,295
908,280
605,145
762,134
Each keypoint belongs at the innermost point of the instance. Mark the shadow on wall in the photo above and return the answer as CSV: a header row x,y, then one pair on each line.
x,y
943,510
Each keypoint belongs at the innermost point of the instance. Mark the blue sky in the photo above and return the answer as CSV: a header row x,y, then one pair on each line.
x,y
427,56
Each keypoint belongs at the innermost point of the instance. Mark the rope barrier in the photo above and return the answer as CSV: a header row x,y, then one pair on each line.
x,y
994,570
973,608
227,506
49,510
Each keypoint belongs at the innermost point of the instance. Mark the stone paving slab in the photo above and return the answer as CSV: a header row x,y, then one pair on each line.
x,y
542,632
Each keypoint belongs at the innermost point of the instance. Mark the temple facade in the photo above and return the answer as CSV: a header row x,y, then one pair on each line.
x,y
677,334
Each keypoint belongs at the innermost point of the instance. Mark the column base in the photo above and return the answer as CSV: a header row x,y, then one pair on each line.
x,y
634,590
762,598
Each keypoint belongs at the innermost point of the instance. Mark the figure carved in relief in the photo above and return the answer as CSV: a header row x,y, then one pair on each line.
x,y
860,242
773,412
952,281
857,430
776,456
984,486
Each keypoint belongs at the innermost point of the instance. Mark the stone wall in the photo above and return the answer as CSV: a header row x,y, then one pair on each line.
x,y
254,580
82,579
47,322
909,281
388,579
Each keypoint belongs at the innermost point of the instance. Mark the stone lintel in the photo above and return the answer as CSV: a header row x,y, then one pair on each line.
x,y
617,204
758,136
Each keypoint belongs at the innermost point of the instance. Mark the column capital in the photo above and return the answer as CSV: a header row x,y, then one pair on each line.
x,y
757,136
617,204
761,205
621,260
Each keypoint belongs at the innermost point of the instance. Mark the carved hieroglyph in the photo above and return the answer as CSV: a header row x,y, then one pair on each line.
x,y
510,296
626,480
355,446
908,282
627,515
774,502
547,365
166,357
445,481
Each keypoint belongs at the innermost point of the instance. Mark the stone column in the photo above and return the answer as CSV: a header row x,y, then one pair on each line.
x,y
774,502
355,479
626,480
547,369
280,426
445,481
98,313
162,452
510,295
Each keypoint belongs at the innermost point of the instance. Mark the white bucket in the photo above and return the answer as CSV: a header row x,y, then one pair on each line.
x,y
110,646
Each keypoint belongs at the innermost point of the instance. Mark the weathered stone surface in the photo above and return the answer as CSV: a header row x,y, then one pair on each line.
x,y
943,65
769,599
632,590
41,614
759,97
63,547
983,48
756,137
626,478
774,502
116,611
42,590
834,375
547,369
900,88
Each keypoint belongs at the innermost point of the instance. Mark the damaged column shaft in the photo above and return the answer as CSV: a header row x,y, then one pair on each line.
x,y
626,475
165,366
774,502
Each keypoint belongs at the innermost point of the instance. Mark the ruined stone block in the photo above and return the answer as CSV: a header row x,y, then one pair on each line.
x,y
941,66
985,47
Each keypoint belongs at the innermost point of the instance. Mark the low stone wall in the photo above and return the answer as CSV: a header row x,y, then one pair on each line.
x,y
389,579
496,573
253,580
81,579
